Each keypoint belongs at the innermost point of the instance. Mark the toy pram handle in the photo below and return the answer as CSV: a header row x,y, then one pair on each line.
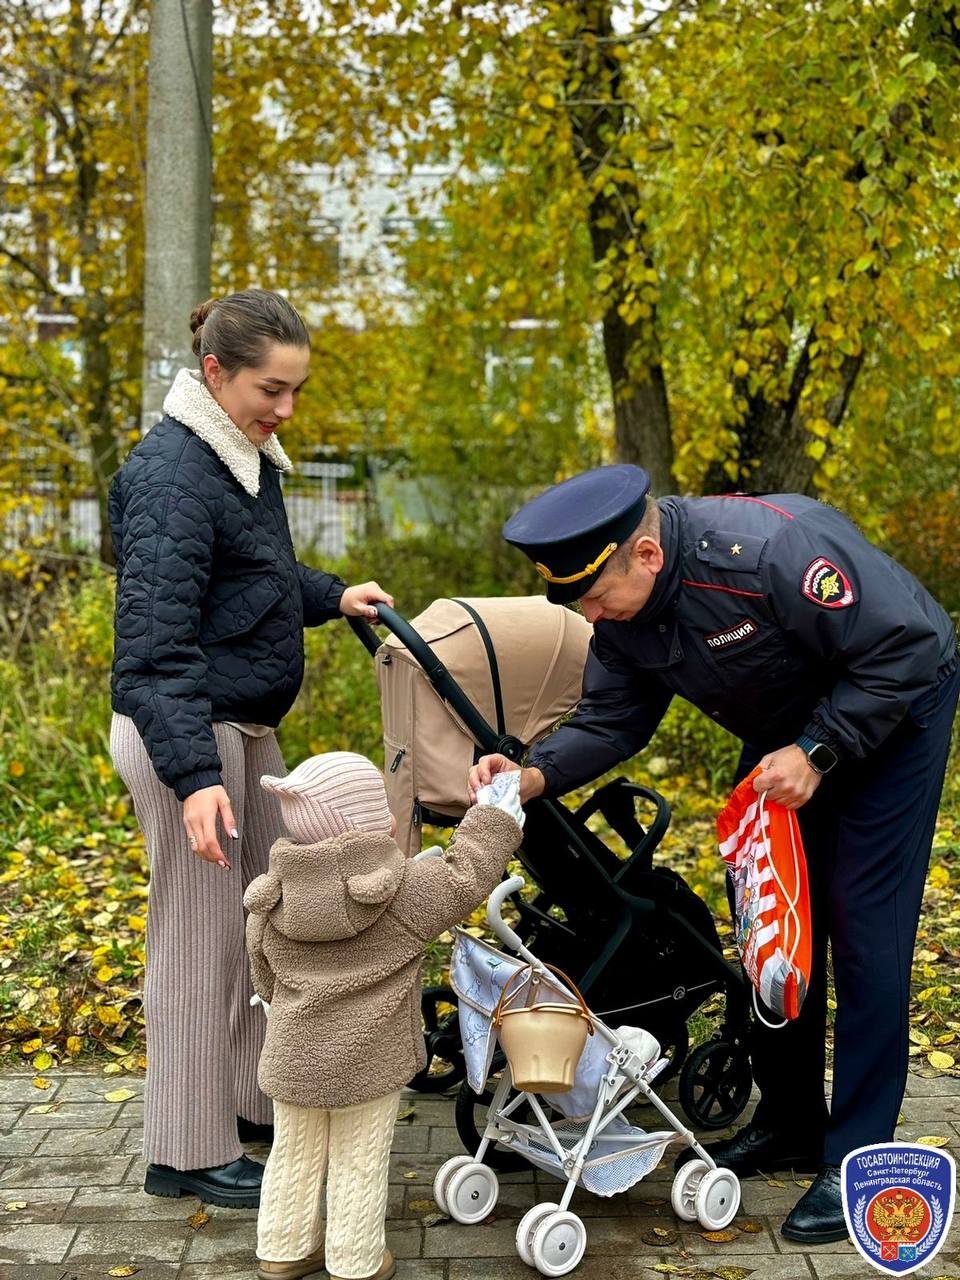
x,y
496,921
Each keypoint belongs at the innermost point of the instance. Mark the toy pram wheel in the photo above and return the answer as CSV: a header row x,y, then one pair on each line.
x,y
715,1084
683,1193
558,1243
444,1174
528,1225
718,1199
441,1034
471,1192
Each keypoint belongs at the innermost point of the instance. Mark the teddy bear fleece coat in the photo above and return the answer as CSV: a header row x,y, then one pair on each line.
x,y
336,933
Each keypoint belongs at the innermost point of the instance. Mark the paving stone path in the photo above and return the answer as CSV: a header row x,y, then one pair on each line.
x,y
78,1172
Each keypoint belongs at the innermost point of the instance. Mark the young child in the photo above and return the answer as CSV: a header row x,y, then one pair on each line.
x,y
336,933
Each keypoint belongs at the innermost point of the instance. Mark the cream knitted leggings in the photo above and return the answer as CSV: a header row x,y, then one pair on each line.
x,y
350,1146
203,1038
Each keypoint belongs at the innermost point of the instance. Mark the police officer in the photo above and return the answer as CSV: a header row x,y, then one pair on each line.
x,y
839,672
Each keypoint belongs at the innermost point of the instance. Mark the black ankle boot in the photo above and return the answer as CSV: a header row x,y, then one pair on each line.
x,y
817,1217
233,1186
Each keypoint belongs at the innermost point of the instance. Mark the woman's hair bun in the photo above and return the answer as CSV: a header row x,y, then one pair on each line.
x,y
197,317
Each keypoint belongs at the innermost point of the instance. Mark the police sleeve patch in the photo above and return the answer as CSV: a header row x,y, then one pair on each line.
x,y
826,585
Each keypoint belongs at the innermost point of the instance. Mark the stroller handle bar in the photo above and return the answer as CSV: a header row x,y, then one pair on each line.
x,y
484,733
496,921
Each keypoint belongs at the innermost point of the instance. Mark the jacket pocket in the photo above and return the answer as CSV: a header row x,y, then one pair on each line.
x,y
236,607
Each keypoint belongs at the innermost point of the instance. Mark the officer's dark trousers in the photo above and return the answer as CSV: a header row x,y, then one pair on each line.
x,y
867,833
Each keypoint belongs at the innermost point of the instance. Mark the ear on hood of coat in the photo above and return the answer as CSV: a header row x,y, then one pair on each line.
x,y
263,894
375,886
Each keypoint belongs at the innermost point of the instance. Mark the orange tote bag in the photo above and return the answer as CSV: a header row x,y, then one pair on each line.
x,y
761,845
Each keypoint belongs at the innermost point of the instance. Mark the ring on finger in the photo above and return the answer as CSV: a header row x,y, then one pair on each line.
x,y
193,841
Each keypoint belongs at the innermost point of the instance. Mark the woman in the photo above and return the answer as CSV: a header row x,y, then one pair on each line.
x,y
211,606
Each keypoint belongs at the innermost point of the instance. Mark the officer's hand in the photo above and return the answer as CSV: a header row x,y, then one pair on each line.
x,y
532,782
788,777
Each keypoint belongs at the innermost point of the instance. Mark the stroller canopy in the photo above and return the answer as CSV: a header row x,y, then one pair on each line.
x,y
540,650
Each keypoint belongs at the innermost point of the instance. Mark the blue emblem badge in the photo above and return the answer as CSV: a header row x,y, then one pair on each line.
x,y
898,1203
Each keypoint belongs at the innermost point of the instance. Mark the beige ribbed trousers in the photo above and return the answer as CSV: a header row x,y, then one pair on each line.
x,y
350,1147
203,1037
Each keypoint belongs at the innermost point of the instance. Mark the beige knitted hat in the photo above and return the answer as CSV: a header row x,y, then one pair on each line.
x,y
329,795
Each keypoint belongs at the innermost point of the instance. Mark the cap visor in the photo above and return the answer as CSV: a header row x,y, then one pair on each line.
x,y
567,592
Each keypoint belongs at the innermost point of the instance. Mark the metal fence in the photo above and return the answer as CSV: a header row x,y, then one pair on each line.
x,y
323,520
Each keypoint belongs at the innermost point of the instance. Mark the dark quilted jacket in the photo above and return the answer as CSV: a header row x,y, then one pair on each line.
x,y
211,602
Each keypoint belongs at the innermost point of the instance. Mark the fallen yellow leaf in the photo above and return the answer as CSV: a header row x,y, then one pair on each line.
x,y
123,1271
937,1058
119,1095
751,1227
39,1082
406,1113
31,1046
13,1205
720,1237
112,1069
42,1062
775,1182
410,1175
198,1220
935,1142
44,1108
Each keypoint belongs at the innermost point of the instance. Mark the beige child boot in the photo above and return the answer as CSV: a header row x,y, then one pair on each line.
x,y
386,1270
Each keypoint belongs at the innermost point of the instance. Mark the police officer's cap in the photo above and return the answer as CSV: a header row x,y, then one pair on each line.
x,y
571,530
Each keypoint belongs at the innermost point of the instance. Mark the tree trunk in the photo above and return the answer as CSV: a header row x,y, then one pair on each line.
x,y
776,434
631,347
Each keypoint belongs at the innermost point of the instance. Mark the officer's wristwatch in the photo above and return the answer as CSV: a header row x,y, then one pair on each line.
x,y
821,757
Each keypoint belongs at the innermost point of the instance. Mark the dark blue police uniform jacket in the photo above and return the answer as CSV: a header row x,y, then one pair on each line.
x,y
776,617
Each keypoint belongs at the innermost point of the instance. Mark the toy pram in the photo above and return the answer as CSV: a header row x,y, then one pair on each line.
x,y
589,1142
482,675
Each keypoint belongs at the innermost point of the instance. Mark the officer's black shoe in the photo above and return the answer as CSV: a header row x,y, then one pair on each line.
x,y
753,1150
250,1131
817,1217
233,1186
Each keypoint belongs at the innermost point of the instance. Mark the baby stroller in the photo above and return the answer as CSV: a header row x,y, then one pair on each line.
x,y
587,1141
469,677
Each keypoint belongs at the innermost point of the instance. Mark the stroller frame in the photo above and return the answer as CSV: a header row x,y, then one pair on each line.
x,y
550,1237
638,901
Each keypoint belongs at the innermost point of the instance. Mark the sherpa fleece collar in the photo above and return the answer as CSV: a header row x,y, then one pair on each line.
x,y
189,401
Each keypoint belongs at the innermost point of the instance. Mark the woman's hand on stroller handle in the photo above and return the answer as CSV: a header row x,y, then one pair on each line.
x,y
532,781
360,601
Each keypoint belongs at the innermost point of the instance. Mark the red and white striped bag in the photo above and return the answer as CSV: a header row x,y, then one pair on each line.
x,y
761,845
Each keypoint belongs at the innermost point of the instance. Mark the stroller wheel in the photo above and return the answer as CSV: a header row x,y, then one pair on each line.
x,y
441,1034
718,1199
683,1193
558,1243
444,1174
471,1192
528,1225
470,1117
715,1084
